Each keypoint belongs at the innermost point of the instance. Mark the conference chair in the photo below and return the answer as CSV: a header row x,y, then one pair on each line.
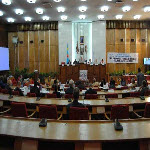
x,y
147,93
147,110
51,95
31,94
134,94
48,112
111,95
67,96
91,96
78,113
4,91
15,92
118,112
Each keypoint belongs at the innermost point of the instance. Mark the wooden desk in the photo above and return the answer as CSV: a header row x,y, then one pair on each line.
x,y
82,133
95,104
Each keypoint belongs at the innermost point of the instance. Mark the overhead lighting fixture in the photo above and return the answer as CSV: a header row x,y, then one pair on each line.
x,y
39,11
31,1
6,2
57,0
100,16
135,0
82,17
137,17
10,19
1,13
82,8
45,18
27,18
19,11
119,16
126,8
104,8
83,0
63,17
147,9
109,0
61,9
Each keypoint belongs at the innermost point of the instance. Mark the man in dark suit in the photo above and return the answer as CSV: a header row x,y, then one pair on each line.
x,y
112,83
70,89
140,77
90,90
35,89
75,102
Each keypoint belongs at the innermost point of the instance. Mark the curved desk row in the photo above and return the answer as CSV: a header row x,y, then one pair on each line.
x,y
87,135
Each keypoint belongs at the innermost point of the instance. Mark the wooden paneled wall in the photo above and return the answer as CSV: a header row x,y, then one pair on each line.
x,y
115,44
42,56
3,36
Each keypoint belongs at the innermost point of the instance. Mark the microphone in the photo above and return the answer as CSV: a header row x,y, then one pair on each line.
x,y
117,125
38,98
106,99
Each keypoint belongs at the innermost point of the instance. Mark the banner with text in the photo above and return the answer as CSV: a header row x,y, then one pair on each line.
x,y
122,57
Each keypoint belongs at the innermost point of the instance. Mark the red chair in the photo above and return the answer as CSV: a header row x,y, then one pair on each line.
x,y
147,93
78,113
147,110
51,95
134,94
91,96
15,92
119,112
49,112
14,82
124,87
18,110
32,95
111,95
4,91
68,96
28,94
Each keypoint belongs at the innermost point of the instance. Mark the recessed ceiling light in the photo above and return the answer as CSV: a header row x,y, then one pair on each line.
x,y
82,8
57,0
126,8
19,11
119,16
61,9
10,19
6,2
45,18
109,0
27,18
39,11
135,0
100,16
137,17
63,17
82,17
31,1
1,13
147,9
83,0
104,8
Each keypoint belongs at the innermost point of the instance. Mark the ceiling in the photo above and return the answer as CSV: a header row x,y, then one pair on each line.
x,y
72,10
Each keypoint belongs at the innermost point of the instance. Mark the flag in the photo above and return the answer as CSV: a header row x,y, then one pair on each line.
x,y
67,54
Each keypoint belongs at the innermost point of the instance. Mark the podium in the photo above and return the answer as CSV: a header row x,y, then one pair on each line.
x,y
72,72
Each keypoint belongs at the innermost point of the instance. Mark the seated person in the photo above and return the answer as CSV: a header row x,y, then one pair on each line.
x,y
70,89
35,89
103,82
18,88
8,86
87,82
144,88
95,83
56,91
2,83
75,61
133,85
75,102
123,82
112,83
90,90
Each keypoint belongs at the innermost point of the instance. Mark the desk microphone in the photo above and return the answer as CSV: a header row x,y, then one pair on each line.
x,y
117,125
38,98
106,99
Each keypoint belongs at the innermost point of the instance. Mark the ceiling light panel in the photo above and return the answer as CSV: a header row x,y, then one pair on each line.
x,y
82,17
63,17
104,8
31,1
6,2
57,0
100,16
39,11
45,18
1,13
27,18
119,16
126,8
147,9
82,8
10,19
19,11
61,9
137,17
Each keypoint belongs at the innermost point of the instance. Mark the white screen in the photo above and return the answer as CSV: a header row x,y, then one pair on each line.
x,y
4,58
